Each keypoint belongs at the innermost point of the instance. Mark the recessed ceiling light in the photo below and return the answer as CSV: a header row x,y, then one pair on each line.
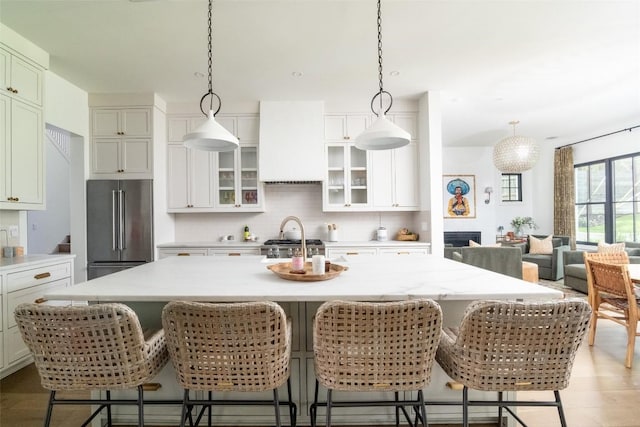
x,y
297,74
394,73
198,74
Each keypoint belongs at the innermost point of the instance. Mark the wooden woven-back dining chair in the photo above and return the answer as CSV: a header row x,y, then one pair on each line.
x,y
229,347
97,347
514,346
608,257
367,346
612,296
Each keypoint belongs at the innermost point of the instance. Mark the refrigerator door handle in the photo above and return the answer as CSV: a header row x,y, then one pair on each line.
x,y
121,208
114,217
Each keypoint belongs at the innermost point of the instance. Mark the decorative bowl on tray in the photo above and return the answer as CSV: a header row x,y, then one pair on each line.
x,y
285,271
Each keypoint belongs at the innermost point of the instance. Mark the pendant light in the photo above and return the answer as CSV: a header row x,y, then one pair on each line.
x,y
211,135
382,134
515,153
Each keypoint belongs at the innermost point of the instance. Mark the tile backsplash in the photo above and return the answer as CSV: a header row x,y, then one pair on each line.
x,y
282,200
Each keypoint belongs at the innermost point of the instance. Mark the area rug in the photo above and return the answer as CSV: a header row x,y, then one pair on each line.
x,y
559,286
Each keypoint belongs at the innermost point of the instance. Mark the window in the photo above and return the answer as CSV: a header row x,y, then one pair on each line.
x,y
608,200
511,187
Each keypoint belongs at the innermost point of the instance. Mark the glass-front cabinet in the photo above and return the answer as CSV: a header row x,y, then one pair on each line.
x,y
237,180
347,184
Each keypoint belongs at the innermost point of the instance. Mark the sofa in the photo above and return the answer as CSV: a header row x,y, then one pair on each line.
x,y
550,266
575,272
504,260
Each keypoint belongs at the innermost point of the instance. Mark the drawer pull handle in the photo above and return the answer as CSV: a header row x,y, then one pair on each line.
x,y
403,253
353,253
151,386
42,275
234,254
184,254
40,300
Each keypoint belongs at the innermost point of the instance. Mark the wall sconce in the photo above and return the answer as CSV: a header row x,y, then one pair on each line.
x,y
487,192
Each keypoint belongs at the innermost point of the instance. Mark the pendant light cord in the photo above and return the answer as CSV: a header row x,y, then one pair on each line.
x,y
381,90
380,53
210,54
210,66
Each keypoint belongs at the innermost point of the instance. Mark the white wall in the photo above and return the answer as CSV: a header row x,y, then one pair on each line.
x,y
609,146
301,200
478,161
45,229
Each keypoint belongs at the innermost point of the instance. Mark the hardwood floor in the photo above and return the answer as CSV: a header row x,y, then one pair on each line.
x,y
602,392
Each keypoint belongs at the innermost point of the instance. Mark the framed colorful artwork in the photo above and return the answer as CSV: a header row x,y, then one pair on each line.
x,y
459,196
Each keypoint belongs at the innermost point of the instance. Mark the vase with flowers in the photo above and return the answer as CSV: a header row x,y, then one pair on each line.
x,y
519,222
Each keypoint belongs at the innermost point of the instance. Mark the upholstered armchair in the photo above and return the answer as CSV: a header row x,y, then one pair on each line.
x,y
550,264
504,260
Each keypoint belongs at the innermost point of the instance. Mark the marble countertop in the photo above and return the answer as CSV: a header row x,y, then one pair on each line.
x,y
381,278
374,243
31,260
240,243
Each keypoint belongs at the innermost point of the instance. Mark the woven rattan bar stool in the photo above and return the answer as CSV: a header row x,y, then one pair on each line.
x,y
237,347
612,296
513,346
96,347
375,347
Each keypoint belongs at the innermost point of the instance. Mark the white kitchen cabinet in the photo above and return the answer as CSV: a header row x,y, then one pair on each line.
x,y
234,251
190,184
344,127
27,284
395,179
122,143
167,252
332,253
116,122
20,78
1,323
214,182
21,155
378,248
346,187
236,180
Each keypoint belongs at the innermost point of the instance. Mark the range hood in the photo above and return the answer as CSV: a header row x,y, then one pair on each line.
x,y
291,142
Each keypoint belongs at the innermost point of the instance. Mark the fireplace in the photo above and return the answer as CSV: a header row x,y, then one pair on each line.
x,y
461,238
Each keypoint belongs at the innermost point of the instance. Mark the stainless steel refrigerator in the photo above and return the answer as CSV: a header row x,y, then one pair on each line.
x,y
119,225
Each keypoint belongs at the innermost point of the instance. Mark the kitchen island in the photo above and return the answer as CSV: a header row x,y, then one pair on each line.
x,y
453,285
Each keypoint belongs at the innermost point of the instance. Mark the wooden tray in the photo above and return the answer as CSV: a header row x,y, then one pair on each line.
x,y
283,270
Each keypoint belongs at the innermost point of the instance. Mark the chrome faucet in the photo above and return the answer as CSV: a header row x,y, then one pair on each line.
x,y
302,239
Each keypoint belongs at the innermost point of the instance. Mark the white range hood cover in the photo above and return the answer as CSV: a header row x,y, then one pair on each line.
x,y
291,141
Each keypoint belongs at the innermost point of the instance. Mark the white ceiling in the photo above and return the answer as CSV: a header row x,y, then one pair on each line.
x,y
568,69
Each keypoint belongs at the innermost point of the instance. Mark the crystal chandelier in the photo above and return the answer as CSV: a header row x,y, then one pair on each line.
x,y
516,153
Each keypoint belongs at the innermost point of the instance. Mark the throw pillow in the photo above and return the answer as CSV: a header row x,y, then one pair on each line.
x,y
474,244
606,248
541,246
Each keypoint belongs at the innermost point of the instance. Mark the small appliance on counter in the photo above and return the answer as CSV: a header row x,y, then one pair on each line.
x,y
381,234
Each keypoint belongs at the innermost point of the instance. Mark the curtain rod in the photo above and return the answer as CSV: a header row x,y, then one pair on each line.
x,y
600,136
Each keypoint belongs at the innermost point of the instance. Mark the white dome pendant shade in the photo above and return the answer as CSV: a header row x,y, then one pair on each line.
x,y
382,135
211,136
515,154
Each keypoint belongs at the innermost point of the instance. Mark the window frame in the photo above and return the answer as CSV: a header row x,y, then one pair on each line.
x,y
609,202
518,177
